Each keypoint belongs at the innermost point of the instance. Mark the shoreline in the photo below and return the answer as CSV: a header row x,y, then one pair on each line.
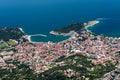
x,y
21,30
91,24
28,37
71,33
97,21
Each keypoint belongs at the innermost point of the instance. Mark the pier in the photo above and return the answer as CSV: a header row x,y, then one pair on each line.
x,y
39,35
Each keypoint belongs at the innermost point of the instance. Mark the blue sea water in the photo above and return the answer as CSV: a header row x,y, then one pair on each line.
x,y
42,16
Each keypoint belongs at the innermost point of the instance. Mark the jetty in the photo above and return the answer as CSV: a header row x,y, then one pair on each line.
x,y
39,35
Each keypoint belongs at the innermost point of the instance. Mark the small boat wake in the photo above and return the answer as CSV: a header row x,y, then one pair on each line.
x,y
99,19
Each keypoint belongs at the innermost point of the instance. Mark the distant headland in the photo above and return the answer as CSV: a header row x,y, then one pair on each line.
x,y
74,28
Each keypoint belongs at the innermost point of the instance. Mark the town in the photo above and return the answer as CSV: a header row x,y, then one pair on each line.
x,y
42,56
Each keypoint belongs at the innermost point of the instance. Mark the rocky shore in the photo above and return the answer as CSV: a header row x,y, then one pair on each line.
x,y
72,31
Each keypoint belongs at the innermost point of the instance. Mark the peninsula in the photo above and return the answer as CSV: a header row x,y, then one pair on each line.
x,y
74,28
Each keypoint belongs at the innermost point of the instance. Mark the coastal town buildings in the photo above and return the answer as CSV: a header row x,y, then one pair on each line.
x,y
42,56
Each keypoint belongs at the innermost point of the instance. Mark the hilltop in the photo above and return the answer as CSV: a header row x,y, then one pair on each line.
x,y
10,33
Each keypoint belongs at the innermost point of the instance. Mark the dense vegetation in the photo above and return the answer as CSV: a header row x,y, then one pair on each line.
x,y
23,72
77,27
10,33
82,67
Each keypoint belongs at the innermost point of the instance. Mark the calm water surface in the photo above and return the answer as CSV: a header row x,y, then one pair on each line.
x,y
41,16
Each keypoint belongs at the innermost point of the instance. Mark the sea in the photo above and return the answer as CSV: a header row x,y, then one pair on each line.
x,y
42,16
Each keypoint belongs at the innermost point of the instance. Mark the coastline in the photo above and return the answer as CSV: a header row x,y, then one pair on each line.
x,y
97,21
74,45
28,37
71,33
91,24
21,30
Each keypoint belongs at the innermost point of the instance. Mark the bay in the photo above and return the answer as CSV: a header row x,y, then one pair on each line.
x,y
42,16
